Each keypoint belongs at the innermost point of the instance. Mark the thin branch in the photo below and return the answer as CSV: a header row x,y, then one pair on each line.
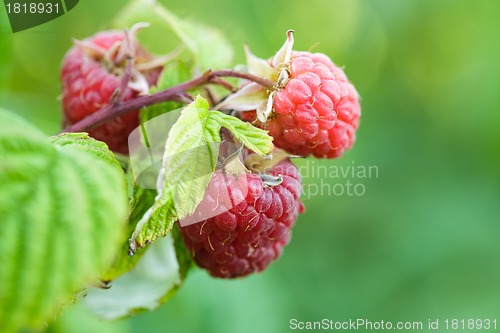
x,y
223,83
111,111
210,97
247,76
185,98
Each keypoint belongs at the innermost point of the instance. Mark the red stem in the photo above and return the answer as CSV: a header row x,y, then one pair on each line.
x,y
111,111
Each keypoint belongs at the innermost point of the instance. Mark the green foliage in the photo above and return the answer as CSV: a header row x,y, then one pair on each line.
x,y
153,281
208,46
253,138
190,157
82,142
173,74
123,262
191,153
428,72
63,206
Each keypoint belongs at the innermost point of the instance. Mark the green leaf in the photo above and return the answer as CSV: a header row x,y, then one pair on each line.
x,y
123,262
82,142
63,208
155,278
149,139
253,138
189,160
208,46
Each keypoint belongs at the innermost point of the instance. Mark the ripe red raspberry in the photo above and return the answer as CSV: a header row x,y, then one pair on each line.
x,y
91,72
312,109
317,112
254,223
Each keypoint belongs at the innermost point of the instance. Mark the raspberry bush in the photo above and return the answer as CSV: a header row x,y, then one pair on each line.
x,y
206,158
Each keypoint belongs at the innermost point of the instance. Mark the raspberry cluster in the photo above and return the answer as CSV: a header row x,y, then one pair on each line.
x,y
245,218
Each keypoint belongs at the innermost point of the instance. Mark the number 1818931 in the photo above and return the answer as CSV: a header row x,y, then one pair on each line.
x,y
471,324
32,8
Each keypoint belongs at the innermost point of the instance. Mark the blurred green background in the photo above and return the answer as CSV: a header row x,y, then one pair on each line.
x,y
422,242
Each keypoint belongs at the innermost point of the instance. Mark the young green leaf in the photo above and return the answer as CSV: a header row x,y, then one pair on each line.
x,y
189,160
208,46
63,208
252,137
